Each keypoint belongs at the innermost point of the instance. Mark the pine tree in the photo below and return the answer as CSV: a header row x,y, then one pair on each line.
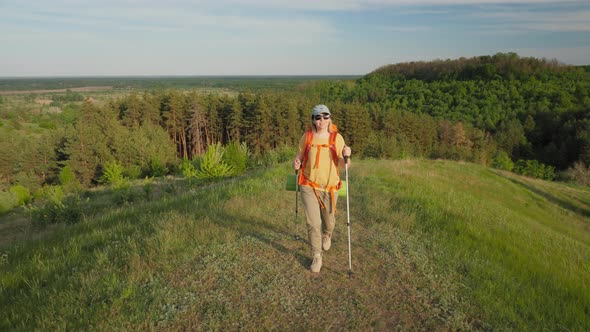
x,y
131,111
174,113
214,122
293,126
235,121
261,126
247,102
196,129
95,138
150,108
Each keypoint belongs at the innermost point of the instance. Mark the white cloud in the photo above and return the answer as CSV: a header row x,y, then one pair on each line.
x,y
162,17
117,20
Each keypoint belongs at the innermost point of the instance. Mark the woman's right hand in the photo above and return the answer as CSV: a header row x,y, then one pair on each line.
x,y
296,164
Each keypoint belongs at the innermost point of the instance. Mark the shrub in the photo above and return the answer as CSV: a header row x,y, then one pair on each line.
x,y
124,195
213,165
8,201
188,169
285,153
157,168
132,172
535,169
57,208
236,155
503,161
113,174
68,180
269,158
407,149
579,173
66,175
279,155
23,195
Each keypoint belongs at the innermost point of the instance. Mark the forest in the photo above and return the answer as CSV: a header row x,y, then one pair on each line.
x,y
527,115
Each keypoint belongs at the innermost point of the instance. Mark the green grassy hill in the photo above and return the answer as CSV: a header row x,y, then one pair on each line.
x,y
436,245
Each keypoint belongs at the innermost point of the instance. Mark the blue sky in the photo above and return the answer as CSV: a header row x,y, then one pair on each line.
x,y
278,37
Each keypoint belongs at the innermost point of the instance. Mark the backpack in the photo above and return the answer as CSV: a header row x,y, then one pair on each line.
x,y
306,182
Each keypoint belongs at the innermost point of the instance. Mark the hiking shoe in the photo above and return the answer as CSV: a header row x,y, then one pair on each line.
x,y
326,241
316,265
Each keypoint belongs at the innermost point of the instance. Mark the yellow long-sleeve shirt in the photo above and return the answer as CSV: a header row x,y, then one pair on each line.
x,y
325,173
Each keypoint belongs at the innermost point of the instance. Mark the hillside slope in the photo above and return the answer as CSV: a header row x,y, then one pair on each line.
x,y
436,245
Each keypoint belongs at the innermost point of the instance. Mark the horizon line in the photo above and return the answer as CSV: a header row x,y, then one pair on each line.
x,y
181,76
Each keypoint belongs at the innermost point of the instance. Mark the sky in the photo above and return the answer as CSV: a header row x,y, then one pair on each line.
x,y
278,37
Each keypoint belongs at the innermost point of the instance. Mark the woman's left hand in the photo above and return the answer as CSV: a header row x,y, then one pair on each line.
x,y
346,151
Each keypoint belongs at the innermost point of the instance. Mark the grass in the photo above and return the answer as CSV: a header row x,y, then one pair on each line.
x,y
520,245
436,245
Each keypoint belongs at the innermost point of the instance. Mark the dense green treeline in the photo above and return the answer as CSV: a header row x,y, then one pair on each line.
x,y
534,109
499,66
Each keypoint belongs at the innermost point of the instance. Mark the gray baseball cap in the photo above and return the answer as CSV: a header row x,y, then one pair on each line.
x,y
319,109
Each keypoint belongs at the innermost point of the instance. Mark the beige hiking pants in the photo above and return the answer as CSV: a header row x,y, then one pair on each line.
x,y
319,220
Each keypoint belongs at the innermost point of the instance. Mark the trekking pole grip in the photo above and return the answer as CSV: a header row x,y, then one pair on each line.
x,y
346,159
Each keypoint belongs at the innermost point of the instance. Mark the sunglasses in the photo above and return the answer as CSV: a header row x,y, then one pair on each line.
x,y
318,117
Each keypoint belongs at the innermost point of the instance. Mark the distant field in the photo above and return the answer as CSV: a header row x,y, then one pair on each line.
x,y
81,89
238,83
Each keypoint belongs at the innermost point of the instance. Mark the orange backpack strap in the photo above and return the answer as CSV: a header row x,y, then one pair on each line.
x,y
332,143
335,158
308,140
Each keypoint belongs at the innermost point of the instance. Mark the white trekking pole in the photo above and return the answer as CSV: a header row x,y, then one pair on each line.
x,y
348,219
296,204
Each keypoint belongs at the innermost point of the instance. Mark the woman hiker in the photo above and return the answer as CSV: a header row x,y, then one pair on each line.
x,y
321,152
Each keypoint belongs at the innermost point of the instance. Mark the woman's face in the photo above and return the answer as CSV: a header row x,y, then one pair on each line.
x,y
322,121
